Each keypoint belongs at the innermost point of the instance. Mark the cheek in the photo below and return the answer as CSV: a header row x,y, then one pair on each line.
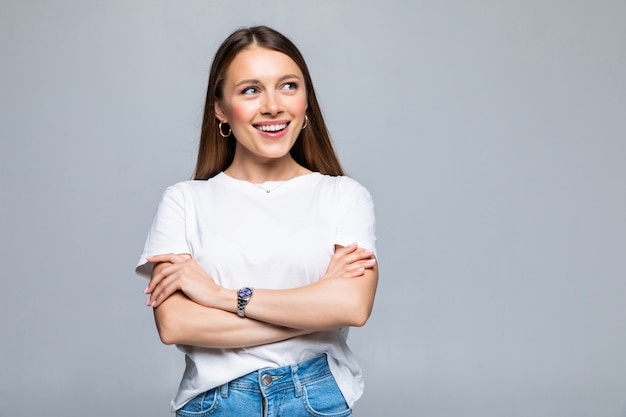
x,y
240,112
301,105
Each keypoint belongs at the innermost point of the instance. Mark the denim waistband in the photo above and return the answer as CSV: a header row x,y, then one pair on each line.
x,y
270,380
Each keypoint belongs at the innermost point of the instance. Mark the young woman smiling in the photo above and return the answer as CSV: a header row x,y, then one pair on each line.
x,y
261,263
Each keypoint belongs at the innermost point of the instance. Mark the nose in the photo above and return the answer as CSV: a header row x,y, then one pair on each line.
x,y
271,104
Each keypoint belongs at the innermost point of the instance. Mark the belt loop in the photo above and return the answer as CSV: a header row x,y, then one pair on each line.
x,y
296,381
224,390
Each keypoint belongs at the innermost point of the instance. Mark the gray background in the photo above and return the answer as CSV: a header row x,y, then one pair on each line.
x,y
492,135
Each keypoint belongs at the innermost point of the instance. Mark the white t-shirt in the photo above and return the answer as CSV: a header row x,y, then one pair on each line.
x,y
243,236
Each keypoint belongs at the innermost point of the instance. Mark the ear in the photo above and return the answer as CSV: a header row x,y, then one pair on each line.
x,y
219,113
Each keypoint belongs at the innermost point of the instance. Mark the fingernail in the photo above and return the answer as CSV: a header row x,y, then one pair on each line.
x,y
360,270
148,302
146,290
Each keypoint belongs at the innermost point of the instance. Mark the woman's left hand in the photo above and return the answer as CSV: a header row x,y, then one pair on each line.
x,y
180,272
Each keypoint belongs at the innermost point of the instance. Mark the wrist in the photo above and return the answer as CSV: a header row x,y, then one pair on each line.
x,y
226,299
244,295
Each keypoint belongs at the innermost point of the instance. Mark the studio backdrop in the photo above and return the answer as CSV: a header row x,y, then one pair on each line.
x,y
492,136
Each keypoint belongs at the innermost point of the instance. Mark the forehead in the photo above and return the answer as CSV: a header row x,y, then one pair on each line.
x,y
261,64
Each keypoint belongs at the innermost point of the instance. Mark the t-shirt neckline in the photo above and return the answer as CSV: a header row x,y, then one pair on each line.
x,y
267,184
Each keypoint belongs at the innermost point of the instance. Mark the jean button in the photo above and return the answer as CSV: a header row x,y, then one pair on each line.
x,y
266,380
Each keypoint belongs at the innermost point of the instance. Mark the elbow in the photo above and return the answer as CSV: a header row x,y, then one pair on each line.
x,y
167,338
361,302
358,307
360,313
360,319
169,330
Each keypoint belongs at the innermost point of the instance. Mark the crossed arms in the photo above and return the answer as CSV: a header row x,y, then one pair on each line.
x,y
191,309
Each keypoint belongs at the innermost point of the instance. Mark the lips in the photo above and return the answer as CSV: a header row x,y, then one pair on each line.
x,y
272,128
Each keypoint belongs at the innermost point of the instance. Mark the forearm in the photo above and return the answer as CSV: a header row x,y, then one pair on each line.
x,y
324,305
192,309
182,321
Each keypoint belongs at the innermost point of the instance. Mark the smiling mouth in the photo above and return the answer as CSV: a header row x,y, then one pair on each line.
x,y
272,128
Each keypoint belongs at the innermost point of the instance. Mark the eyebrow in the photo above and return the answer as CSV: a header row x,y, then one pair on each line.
x,y
281,79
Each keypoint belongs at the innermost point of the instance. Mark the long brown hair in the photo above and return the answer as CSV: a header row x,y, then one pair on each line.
x,y
313,148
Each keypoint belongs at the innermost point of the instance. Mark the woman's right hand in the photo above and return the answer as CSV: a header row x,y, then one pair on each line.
x,y
180,272
349,262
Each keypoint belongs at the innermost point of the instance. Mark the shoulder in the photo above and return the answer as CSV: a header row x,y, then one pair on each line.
x,y
339,181
192,186
343,192
185,186
187,193
178,190
344,185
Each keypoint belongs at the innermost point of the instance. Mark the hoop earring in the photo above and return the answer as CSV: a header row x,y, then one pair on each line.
x,y
306,122
224,135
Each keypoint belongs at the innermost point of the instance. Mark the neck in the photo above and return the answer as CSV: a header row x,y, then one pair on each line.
x,y
258,173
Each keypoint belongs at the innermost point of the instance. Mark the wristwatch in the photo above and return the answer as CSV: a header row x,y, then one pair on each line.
x,y
243,297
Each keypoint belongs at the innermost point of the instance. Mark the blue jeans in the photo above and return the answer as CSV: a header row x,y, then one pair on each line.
x,y
304,389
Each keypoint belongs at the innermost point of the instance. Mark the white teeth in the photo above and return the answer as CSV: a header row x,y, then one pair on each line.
x,y
272,128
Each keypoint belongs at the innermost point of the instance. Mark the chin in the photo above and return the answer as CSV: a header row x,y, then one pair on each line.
x,y
276,153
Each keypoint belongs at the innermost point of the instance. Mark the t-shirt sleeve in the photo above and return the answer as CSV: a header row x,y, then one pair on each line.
x,y
168,232
356,216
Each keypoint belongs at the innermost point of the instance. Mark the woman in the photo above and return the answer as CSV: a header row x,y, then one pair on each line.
x,y
261,263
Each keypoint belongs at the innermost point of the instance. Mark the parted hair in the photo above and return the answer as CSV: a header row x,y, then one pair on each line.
x,y
313,149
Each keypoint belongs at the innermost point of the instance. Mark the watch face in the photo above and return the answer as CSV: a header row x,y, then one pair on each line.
x,y
245,292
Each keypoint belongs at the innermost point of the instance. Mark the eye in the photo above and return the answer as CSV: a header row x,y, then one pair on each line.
x,y
249,90
290,86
